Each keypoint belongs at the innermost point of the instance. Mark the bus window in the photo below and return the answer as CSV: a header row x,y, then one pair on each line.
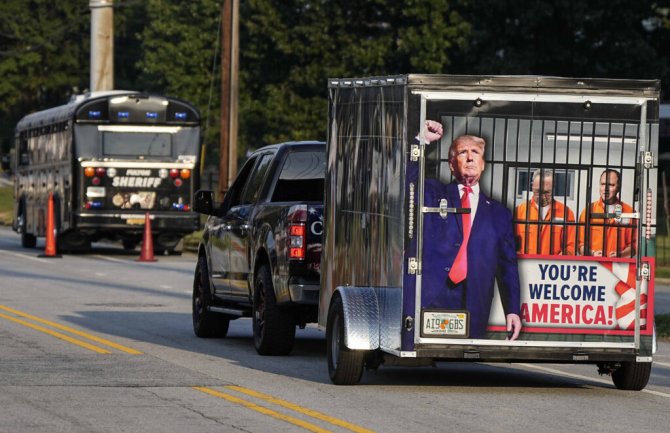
x,y
136,144
23,151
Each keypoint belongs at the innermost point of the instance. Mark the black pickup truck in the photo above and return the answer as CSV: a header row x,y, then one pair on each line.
x,y
261,247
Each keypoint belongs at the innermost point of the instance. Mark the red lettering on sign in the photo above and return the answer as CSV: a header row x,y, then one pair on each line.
x,y
567,314
586,316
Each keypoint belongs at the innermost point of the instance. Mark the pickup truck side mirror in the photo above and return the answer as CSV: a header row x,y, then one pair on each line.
x,y
203,202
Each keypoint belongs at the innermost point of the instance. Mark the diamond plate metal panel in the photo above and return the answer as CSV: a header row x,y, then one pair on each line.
x,y
361,317
390,317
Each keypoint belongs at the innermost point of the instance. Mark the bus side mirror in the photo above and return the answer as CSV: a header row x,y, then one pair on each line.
x,y
203,202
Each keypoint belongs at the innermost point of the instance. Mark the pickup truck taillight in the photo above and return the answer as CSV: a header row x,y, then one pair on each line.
x,y
297,240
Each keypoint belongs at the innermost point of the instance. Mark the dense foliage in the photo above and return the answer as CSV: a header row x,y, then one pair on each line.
x,y
288,48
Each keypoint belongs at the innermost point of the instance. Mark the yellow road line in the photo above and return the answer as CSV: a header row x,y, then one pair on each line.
x,y
300,409
56,334
265,411
72,331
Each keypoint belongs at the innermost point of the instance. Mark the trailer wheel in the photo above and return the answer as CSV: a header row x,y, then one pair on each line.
x,y
273,327
206,324
345,366
632,376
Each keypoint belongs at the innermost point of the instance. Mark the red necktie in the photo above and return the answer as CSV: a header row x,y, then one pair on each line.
x,y
460,267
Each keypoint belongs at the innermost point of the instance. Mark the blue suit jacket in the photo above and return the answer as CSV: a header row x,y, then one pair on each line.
x,y
491,256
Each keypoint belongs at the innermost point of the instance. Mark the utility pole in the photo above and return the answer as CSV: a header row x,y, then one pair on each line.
x,y
102,44
229,94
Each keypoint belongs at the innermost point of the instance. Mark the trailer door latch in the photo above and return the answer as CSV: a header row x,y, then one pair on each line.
x,y
415,152
648,159
645,272
412,265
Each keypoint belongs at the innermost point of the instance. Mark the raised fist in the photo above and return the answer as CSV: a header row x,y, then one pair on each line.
x,y
432,131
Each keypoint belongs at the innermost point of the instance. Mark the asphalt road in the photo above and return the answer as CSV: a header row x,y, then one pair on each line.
x,y
102,343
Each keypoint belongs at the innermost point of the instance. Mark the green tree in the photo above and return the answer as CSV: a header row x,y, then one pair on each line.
x,y
43,57
45,54
130,18
290,48
599,38
180,42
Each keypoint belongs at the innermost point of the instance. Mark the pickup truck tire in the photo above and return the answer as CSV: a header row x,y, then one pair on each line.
x,y
345,366
632,376
206,324
274,327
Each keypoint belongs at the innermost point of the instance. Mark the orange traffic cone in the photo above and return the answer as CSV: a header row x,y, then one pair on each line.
x,y
50,250
147,252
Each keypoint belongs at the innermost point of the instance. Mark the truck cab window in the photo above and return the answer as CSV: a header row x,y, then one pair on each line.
x,y
235,192
255,181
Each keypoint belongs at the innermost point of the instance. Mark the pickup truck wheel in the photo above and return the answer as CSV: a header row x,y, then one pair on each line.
x,y
632,376
345,366
206,324
274,327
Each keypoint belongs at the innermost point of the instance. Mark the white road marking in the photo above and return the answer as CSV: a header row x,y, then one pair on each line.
x,y
112,259
592,379
26,256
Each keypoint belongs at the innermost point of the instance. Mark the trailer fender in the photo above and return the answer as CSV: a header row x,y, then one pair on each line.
x,y
361,317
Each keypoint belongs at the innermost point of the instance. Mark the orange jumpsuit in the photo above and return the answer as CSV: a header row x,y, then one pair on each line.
x,y
615,239
555,238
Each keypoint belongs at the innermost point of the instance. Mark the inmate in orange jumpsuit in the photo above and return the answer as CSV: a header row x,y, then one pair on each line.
x,y
617,237
551,234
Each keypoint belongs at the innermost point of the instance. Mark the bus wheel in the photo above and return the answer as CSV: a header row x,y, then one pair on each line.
x,y
632,376
129,244
166,243
273,327
28,240
73,241
206,324
345,366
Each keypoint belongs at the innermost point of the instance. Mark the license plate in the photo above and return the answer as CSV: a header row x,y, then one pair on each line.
x,y
135,221
444,324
